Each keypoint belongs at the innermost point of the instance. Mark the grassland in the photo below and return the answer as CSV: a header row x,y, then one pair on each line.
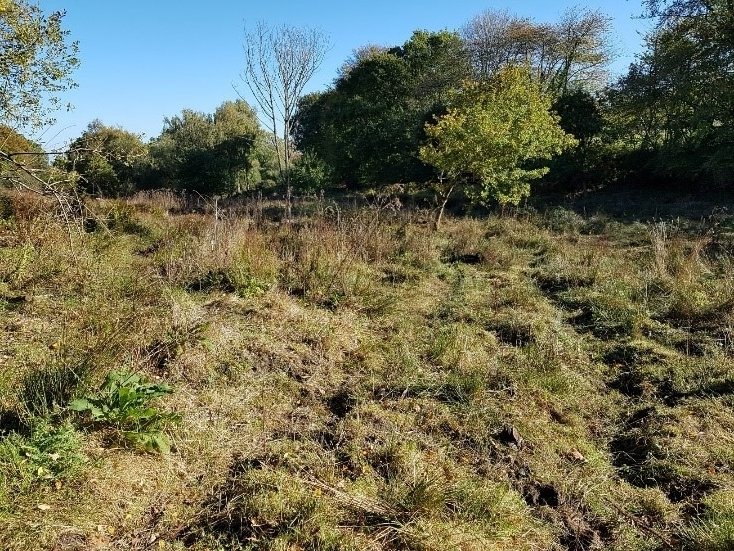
x,y
355,380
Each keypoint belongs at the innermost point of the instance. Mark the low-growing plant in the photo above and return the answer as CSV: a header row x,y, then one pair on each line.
x,y
607,311
246,284
714,530
563,220
46,454
121,218
124,402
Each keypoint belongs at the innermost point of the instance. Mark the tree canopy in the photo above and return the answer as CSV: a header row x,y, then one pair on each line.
x,y
16,150
493,135
484,107
110,160
369,126
572,53
36,63
223,152
676,103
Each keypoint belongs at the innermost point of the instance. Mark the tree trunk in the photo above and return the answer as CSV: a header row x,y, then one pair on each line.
x,y
439,218
287,166
288,202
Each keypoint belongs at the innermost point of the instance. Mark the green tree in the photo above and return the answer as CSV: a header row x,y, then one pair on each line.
x,y
211,153
18,146
173,153
110,160
36,62
580,114
310,174
369,127
493,136
674,109
240,152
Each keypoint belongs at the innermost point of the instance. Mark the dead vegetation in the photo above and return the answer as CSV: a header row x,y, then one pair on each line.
x,y
356,380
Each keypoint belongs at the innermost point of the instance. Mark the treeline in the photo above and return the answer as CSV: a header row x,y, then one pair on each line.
x,y
672,115
220,153
368,128
503,101
668,120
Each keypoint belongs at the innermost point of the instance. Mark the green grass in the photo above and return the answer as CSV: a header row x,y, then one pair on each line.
x,y
43,456
534,381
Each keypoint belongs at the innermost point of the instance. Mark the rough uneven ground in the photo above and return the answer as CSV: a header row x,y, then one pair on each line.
x,y
355,380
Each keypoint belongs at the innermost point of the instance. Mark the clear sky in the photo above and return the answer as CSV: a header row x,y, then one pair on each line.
x,y
143,60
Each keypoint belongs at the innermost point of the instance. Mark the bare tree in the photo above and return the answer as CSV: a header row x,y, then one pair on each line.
x,y
575,51
583,50
21,169
490,40
279,62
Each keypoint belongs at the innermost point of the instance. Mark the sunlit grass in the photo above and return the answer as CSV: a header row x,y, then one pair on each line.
x,y
363,382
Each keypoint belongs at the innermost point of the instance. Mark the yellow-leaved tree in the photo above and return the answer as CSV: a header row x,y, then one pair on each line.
x,y
493,138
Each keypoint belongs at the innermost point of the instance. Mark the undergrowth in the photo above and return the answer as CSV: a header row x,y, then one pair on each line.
x,y
355,380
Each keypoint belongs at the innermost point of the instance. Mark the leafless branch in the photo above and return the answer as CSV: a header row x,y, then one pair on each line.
x,y
16,171
575,51
279,62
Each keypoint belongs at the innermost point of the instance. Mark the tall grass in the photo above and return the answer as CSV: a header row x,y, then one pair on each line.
x,y
354,379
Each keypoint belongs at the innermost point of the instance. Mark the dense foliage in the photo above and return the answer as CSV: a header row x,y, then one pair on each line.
x,y
675,106
17,147
369,126
219,153
493,133
110,161
667,121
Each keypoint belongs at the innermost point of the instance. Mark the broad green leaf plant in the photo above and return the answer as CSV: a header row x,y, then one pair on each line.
x,y
124,402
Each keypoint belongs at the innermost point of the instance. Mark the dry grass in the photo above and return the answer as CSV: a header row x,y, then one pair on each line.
x,y
354,380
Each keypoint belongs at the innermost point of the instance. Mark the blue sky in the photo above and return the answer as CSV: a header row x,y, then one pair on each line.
x,y
145,60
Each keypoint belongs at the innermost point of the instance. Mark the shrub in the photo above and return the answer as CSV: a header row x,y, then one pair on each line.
x,y
310,174
121,218
559,219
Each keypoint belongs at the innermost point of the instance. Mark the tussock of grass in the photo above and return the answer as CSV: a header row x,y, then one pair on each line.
x,y
714,531
355,380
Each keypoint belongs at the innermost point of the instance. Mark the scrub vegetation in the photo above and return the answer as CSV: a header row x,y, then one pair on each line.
x,y
475,295
357,380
